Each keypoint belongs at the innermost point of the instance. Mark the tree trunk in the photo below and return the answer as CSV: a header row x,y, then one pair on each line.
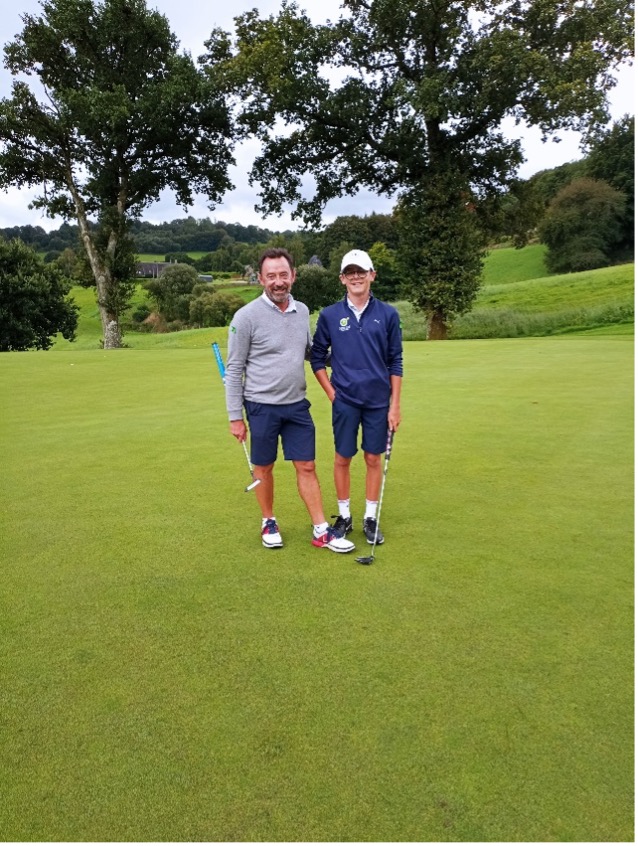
x,y
111,331
104,282
437,327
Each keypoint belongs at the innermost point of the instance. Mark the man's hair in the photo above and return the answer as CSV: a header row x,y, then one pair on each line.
x,y
276,252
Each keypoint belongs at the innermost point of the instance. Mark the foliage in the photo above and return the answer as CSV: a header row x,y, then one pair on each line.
x,y
363,232
387,283
317,287
441,256
583,226
422,90
34,302
214,309
170,291
124,116
611,157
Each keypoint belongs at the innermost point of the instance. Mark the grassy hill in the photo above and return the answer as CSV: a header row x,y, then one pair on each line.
x,y
518,298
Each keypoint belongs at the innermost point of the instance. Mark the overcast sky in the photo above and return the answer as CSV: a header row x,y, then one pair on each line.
x,y
192,22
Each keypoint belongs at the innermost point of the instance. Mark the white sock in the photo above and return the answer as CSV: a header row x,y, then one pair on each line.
x,y
371,510
344,507
320,529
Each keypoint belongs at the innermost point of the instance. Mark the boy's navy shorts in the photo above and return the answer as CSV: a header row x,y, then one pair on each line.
x,y
291,422
346,420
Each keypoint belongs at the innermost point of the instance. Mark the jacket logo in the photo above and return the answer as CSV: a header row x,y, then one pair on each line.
x,y
344,324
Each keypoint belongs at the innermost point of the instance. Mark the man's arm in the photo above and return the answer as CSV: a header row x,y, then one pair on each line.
x,y
238,348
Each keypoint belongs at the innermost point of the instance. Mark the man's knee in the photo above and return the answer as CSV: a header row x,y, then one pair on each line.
x,y
305,468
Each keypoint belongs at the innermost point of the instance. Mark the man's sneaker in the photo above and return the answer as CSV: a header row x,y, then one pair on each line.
x,y
342,525
270,536
333,541
369,530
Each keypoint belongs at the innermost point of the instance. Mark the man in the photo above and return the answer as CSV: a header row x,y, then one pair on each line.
x,y
267,344
363,336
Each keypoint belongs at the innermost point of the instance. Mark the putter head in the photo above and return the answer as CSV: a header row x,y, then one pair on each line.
x,y
367,559
253,485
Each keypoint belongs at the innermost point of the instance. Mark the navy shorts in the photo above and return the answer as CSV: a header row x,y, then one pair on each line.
x,y
291,422
346,420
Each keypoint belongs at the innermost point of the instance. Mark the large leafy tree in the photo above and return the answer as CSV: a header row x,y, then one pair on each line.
x,y
106,113
34,301
583,226
408,97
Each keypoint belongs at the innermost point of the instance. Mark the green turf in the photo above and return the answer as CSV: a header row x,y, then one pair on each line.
x,y
505,265
164,678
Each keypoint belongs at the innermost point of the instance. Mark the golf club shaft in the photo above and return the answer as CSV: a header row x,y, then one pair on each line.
x,y
368,559
219,360
388,451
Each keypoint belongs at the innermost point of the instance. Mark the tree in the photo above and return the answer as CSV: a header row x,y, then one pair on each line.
x,y
387,283
611,157
118,116
407,97
214,309
34,302
317,287
583,226
172,289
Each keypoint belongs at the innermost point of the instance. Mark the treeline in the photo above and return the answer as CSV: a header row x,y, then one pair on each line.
x,y
583,211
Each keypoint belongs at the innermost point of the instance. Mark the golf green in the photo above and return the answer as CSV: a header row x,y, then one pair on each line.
x,y
165,678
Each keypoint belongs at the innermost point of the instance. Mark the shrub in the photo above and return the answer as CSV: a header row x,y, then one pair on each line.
x,y
34,300
141,313
209,309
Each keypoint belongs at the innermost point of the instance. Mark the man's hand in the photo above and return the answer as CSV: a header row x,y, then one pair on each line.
x,y
238,430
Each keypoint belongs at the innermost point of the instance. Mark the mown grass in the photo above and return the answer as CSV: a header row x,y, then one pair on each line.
x,y
504,265
165,678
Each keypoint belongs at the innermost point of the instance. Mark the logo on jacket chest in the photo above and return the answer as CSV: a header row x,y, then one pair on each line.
x,y
344,324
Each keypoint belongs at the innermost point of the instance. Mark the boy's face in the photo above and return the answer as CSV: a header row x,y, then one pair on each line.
x,y
357,280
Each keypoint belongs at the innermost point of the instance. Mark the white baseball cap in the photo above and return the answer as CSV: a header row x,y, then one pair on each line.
x,y
358,258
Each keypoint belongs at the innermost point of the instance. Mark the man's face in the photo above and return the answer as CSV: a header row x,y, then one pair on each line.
x,y
276,277
357,280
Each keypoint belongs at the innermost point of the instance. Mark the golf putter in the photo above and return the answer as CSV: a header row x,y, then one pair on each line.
x,y
368,559
222,373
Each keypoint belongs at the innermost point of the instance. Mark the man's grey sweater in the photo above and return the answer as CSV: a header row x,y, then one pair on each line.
x,y
266,352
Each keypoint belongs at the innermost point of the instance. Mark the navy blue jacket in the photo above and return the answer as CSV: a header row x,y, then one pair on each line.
x,y
363,354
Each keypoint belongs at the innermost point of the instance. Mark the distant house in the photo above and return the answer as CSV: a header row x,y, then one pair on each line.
x,y
150,269
315,261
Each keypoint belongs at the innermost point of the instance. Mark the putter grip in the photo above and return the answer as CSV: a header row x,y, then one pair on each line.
x,y
219,359
388,446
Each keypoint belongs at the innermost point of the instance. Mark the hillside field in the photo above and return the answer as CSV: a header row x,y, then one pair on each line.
x,y
512,302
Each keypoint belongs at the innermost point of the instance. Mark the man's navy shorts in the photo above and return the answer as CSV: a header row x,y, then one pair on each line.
x,y
291,422
346,420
